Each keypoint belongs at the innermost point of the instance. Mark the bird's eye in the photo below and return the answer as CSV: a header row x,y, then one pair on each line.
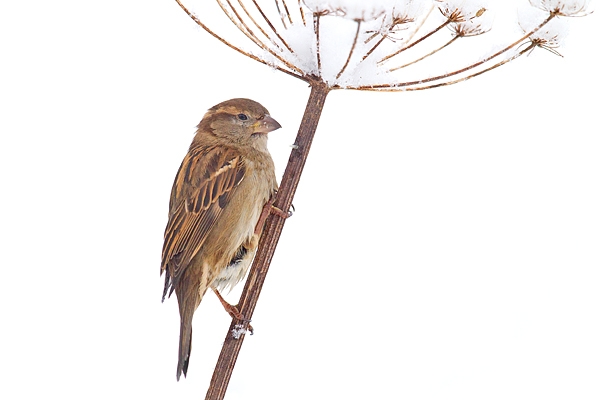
x,y
243,117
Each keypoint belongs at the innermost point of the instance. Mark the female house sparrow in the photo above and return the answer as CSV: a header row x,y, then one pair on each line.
x,y
221,188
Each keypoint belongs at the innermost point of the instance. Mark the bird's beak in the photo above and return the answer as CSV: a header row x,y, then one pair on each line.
x,y
266,125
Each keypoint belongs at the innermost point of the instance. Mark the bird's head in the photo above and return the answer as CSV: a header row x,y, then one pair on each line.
x,y
239,121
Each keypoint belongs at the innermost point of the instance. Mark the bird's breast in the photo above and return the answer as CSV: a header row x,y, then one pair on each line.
x,y
234,242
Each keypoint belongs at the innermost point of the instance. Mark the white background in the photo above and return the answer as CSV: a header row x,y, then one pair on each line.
x,y
445,243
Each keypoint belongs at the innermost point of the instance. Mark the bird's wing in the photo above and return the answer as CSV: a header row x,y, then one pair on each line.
x,y
203,186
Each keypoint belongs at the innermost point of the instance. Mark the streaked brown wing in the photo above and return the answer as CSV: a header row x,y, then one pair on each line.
x,y
202,188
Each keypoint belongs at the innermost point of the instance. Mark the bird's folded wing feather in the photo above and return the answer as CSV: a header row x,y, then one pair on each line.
x,y
202,188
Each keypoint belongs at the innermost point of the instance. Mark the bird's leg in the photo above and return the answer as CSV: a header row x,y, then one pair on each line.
x,y
269,208
233,311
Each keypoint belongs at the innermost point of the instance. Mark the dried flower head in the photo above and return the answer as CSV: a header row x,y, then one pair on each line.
x,y
476,22
349,43
567,8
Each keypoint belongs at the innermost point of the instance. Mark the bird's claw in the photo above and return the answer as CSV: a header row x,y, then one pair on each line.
x,y
280,213
236,314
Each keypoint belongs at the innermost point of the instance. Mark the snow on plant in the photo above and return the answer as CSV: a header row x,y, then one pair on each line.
x,y
377,44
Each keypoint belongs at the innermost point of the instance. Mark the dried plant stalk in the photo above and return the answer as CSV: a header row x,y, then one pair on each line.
x,y
416,42
351,50
405,85
448,43
270,26
269,239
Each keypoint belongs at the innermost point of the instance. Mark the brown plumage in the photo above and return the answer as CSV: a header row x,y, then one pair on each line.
x,y
222,185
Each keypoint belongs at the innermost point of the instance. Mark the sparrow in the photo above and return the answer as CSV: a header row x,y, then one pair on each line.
x,y
221,196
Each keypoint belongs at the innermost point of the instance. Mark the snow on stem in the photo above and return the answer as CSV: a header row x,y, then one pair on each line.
x,y
317,51
406,85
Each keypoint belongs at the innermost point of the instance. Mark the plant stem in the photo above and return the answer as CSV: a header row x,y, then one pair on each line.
x,y
269,239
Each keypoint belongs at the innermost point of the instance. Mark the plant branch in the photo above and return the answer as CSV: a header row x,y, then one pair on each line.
x,y
301,12
300,75
530,47
402,86
426,55
316,21
416,41
287,12
351,50
265,34
270,26
243,27
269,239
281,17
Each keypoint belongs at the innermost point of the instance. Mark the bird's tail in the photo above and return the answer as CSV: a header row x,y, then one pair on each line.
x,y
185,343
189,291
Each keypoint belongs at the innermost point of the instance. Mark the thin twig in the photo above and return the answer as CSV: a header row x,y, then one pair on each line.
x,y
265,34
448,83
301,12
426,55
358,22
239,23
300,76
453,17
243,27
271,26
283,14
280,14
420,24
287,11
372,49
416,41
316,19
404,85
